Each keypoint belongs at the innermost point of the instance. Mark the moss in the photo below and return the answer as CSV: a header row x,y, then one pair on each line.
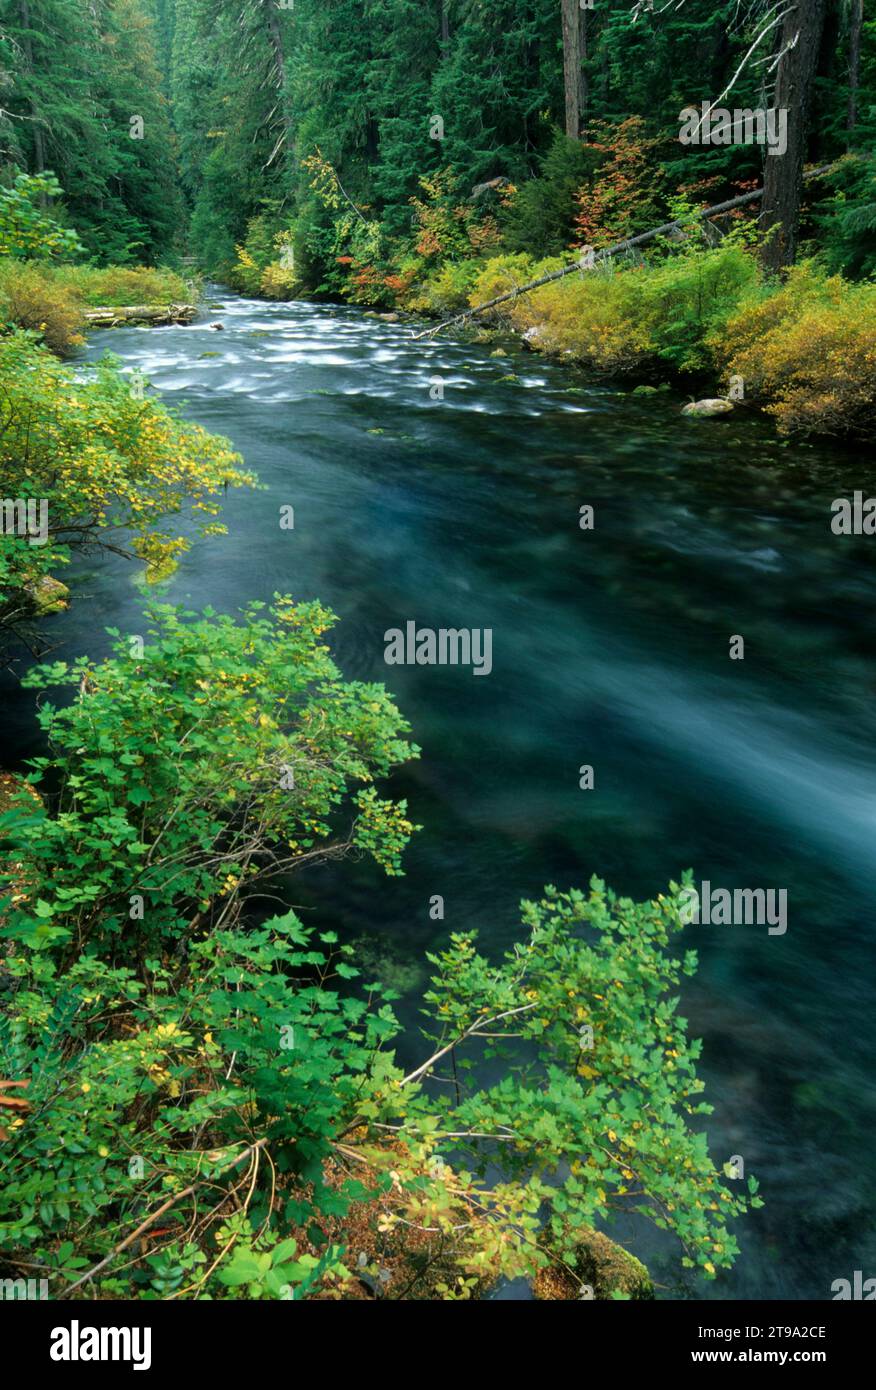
x,y
391,969
601,1265
708,408
48,596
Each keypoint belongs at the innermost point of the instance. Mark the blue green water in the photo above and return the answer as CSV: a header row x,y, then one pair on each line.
x,y
610,648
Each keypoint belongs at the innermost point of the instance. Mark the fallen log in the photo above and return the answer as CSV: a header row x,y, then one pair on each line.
x,y
589,262
117,316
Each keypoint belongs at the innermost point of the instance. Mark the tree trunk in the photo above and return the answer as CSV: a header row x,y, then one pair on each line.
x,y
39,147
666,229
573,73
585,90
118,316
276,40
856,23
783,174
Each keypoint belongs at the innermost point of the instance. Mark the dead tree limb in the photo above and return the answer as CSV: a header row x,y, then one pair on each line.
x,y
608,252
116,316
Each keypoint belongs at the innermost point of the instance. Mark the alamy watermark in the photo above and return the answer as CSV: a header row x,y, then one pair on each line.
x,y
27,517
77,1343
853,517
715,125
27,1290
723,907
444,646
857,1289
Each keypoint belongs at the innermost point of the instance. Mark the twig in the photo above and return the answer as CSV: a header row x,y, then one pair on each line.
x,y
144,1225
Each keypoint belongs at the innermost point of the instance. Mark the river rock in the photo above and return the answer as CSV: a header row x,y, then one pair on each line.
x,y
533,337
48,595
712,406
599,1268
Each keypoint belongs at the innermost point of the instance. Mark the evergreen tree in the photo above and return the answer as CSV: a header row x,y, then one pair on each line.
x,y
85,101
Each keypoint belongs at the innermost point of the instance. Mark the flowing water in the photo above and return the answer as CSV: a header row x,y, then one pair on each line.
x,y
610,648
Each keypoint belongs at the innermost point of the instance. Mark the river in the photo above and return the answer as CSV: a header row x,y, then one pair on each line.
x,y
610,648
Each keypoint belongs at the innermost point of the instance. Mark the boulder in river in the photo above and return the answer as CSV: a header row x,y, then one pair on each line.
x,y
713,406
599,1268
48,595
533,337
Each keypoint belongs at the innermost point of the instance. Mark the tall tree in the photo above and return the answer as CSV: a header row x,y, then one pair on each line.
x,y
800,44
856,24
86,101
573,66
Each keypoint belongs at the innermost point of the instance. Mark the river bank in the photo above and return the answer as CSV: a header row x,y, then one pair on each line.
x,y
465,510
800,350
59,303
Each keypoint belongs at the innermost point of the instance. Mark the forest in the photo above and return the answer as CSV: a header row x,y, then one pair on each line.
x,y
257,408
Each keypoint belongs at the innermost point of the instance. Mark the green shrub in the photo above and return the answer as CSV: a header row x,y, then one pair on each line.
x,y
233,1067
684,298
445,291
106,461
124,285
806,351
187,743
27,229
172,1057
539,217
31,298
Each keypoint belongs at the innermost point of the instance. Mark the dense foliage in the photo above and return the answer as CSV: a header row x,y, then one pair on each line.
x,y
345,112
111,464
197,1101
83,97
176,1057
304,133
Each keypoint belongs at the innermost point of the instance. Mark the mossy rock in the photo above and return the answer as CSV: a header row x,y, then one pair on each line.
x,y
601,1265
48,596
705,410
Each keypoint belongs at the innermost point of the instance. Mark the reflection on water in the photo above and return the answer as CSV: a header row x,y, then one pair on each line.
x,y
610,647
